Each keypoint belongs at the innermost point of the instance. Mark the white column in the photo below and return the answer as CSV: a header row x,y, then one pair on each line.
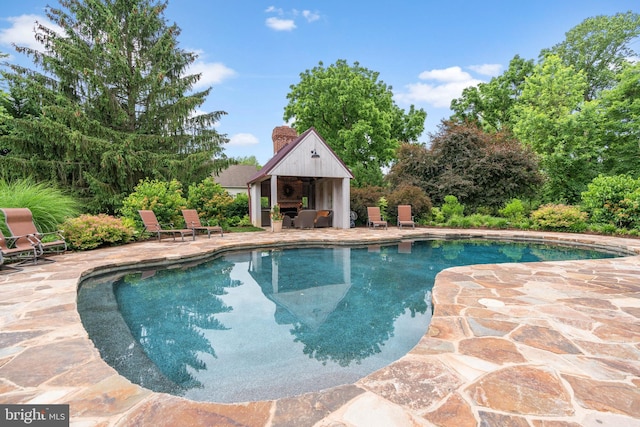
x,y
274,190
256,211
342,203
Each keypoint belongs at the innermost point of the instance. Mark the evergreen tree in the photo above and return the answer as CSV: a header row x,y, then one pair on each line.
x,y
111,105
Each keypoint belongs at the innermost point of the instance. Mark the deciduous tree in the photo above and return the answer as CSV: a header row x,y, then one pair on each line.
x,y
599,47
490,105
556,122
619,109
355,114
478,167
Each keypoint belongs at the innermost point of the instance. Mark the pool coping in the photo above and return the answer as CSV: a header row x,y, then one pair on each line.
x,y
493,326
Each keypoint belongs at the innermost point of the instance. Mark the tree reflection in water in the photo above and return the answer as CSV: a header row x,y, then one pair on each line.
x,y
169,328
369,292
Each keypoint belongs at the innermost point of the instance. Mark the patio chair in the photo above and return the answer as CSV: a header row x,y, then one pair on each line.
x,y
9,250
404,216
324,218
305,218
374,218
24,233
287,221
152,225
192,220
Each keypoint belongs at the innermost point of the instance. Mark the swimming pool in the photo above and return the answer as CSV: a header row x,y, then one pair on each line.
x,y
264,324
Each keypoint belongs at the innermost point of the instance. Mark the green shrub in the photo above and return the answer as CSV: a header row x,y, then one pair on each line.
x,y
459,221
493,222
451,207
477,221
437,217
212,202
363,197
523,224
501,223
559,218
514,210
163,198
245,221
485,210
49,205
613,200
628,213
409,195
239,206
384,207
94,231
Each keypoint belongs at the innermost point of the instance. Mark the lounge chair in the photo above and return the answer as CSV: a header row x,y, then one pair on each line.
x,y
192,220
152,225
324,218
24,233
23,250
404,216
287,220
305,218
374,218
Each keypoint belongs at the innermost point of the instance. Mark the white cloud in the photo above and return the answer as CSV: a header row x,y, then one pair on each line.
x,y
273,9
310,16
491,70
286,20
279,24
212,72
446,84
241,139
451,74
21,32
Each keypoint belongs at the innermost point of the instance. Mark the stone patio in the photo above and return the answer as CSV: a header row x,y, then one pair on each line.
x,y
554,344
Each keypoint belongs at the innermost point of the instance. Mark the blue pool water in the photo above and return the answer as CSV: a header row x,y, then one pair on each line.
x,y
266,324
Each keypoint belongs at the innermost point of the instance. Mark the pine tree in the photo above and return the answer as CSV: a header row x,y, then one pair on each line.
x,y
112,104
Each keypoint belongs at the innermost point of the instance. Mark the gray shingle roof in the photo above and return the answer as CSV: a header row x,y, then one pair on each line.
x,y
235,176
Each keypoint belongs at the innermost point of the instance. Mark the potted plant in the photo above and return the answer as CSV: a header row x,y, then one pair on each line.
x,y
276,219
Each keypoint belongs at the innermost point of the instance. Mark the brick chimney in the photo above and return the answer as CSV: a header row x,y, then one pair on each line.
x,y
281,136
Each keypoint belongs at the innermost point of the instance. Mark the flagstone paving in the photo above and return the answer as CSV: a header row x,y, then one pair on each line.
x,y
553,344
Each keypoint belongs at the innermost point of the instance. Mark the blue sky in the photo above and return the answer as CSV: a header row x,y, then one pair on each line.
x,y
250,52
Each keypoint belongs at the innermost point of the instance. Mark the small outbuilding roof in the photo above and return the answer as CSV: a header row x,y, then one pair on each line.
x,y
277,160
235,176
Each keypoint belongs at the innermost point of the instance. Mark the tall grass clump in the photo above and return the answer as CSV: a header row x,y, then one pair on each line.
x,y
49,205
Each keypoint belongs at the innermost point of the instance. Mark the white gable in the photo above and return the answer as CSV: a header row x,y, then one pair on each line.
x,y
299,161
